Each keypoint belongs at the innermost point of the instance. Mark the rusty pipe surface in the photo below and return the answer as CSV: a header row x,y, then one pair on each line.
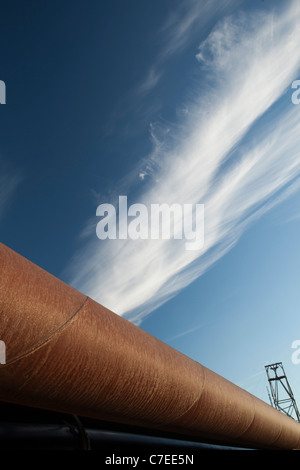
x,y
67,353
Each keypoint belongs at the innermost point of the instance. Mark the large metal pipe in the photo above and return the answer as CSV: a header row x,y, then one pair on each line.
x,y
67,353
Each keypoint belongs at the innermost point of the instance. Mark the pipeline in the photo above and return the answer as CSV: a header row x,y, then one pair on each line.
x,y
26,428
69,354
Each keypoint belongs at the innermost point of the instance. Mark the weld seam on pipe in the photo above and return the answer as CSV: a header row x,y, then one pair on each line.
x,y
186,411
49,338
252,423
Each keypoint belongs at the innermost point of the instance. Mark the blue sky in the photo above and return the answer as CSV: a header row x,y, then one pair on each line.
x,y
163,101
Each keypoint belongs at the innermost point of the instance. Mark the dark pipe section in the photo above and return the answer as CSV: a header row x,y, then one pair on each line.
x,y
26,428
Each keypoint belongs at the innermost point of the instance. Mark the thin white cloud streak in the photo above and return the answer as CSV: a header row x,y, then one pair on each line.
x,y
253,61
150,81
184,333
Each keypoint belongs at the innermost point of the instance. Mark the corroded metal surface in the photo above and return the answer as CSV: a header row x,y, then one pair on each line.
x,y
65,352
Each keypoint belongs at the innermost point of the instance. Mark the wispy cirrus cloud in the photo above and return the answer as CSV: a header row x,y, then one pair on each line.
x,y
185,21
237,151
189,18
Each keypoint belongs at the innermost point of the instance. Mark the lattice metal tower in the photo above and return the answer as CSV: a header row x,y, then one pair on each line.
x,y
281,392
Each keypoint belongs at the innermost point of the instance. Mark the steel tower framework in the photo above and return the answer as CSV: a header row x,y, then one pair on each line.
x,y
281,392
